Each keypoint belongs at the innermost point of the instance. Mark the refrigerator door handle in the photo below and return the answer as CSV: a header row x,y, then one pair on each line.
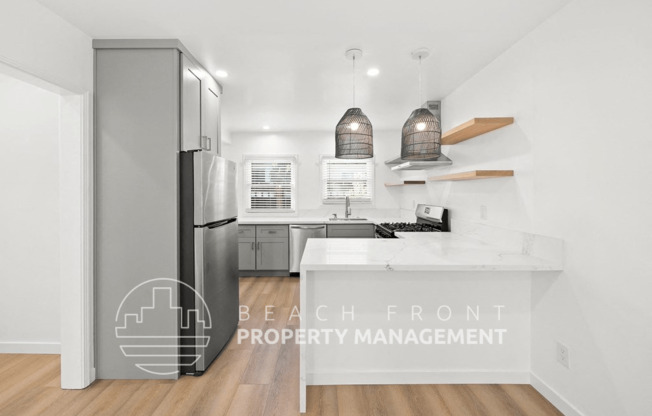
x,y
199,288
221,223
252,246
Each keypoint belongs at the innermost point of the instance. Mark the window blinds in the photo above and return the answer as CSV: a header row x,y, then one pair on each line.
x,y
271,184
342,177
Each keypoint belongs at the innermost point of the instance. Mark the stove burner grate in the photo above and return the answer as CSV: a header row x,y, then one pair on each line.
x,y
410,227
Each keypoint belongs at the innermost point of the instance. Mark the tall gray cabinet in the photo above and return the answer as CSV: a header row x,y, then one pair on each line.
x,y
152,99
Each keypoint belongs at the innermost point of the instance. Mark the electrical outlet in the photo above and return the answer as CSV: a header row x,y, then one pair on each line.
x,y
483,212
563,355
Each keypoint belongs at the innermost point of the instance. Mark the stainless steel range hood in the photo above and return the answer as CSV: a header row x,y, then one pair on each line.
x,y
400,164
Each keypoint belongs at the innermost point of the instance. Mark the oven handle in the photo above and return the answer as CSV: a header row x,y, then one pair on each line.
x,y
379,233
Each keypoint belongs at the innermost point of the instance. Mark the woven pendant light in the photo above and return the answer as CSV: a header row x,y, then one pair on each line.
x,y
421,135
354,133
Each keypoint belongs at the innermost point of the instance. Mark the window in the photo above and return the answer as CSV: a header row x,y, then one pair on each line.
x,y
270,184
347,177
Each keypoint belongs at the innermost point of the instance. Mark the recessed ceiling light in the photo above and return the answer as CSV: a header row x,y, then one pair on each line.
x,y
372,72
265,127
221,74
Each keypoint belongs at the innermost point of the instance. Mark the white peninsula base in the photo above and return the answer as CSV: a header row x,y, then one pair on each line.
x,y
415,312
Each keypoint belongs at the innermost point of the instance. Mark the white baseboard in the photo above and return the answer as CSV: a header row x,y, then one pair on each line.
x,y
417,377
30,347
553,397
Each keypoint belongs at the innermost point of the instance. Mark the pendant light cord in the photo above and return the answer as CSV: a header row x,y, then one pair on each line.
x,y
420,85
353,81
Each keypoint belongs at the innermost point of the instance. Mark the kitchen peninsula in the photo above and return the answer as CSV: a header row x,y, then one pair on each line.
x,y
425,308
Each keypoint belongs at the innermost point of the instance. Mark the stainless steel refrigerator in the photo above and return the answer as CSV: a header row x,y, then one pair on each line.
x,y
209,258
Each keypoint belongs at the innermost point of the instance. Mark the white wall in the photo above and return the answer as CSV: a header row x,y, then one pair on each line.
x,y
39,47
41,43
308,147
29,218
579,88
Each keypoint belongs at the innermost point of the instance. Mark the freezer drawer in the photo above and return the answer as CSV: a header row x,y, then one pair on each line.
x,y
216,280
299,235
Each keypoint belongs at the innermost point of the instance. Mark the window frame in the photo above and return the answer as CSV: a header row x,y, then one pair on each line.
x,y
247,159
371,182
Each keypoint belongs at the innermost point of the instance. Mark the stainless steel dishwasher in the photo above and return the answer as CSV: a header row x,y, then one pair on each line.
x,y
299,235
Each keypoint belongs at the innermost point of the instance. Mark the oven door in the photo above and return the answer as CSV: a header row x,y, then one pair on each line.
x,y
382,233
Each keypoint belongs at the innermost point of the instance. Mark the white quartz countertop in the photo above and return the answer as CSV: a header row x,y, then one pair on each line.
x,y
417,252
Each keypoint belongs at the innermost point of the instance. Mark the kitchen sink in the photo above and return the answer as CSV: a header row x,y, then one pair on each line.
x,y
348,219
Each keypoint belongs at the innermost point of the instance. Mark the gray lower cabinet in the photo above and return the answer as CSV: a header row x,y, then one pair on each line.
x,y
264,248
273,254
350,231
247,254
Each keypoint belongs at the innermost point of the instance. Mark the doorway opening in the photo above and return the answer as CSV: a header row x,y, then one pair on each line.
x,y
46,223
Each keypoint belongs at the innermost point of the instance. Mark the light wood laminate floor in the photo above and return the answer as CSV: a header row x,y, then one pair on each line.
x,y
248,380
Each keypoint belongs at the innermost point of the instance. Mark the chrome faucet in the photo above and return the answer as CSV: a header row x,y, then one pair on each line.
x,y
347,207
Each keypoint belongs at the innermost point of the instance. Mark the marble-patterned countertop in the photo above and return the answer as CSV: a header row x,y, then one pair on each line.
x,y
418,252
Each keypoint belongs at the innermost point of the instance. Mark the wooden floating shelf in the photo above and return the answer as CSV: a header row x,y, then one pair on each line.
x,y
405,183
474,174
473,128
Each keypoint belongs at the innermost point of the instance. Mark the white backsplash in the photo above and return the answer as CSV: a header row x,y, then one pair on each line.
x,y
328,211
544,247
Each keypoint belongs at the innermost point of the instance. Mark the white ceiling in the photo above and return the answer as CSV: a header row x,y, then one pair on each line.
x,y
285,58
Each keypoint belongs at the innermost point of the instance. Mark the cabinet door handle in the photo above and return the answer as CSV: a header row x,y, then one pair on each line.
x,y
252,245
258,245
206,142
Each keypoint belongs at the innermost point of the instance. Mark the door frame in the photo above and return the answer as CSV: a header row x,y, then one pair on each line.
x,y
75,224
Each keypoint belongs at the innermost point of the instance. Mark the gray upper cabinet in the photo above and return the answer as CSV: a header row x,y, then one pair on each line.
x,y
211,116
191,106
200,109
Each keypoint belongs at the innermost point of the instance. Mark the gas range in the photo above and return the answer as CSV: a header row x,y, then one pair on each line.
x,y
430,218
